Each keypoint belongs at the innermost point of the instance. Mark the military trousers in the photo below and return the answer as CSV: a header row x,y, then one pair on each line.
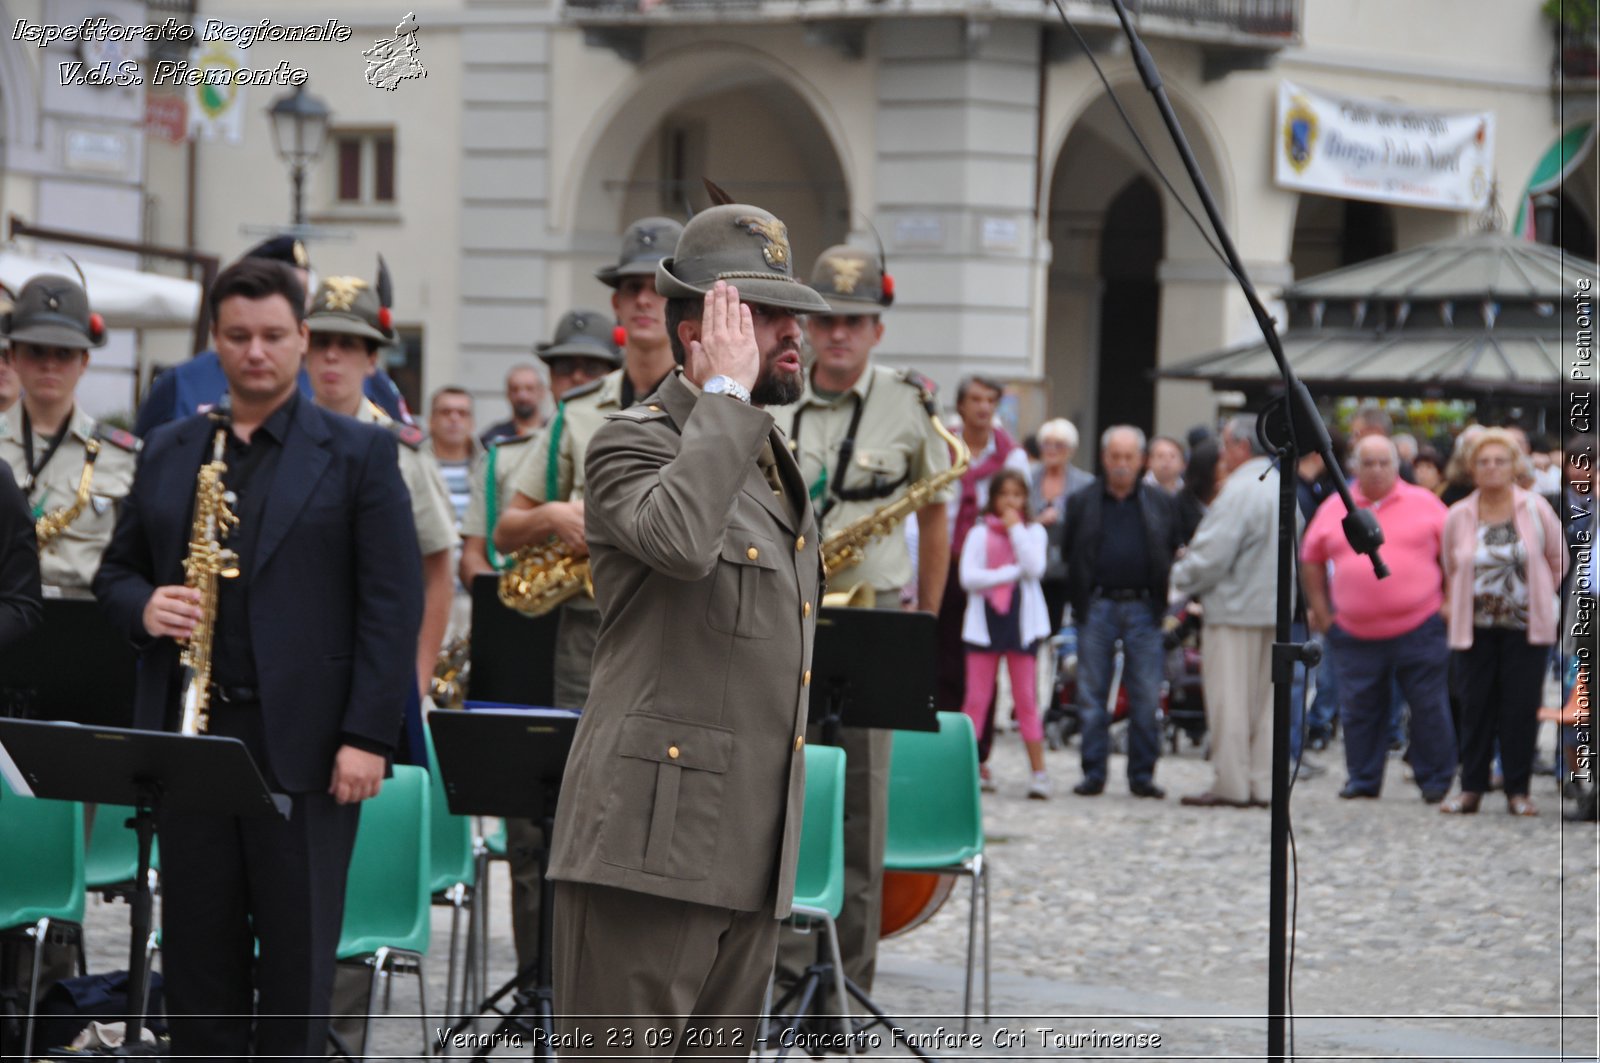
x,y
643,976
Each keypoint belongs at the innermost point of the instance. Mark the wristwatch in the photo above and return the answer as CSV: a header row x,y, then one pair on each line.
x,y
726,385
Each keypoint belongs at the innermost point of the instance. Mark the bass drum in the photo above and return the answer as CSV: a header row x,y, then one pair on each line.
x,y
910,898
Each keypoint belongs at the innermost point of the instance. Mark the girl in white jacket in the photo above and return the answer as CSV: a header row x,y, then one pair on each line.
x,y
1001,563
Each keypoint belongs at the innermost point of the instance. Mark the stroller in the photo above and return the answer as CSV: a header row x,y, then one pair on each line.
x,y
1180,706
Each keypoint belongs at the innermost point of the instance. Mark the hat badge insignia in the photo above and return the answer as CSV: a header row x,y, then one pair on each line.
x,y
847,274
775,234
342,291
580,323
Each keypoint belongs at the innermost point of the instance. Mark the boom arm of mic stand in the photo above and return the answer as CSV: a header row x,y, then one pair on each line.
x,y
1360,527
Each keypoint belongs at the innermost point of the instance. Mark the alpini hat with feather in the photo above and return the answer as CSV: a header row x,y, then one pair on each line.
x,y
350,306
852,280
53,311
747,247
646,242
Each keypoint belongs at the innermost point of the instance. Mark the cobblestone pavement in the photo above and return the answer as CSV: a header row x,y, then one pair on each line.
x,y
1419,935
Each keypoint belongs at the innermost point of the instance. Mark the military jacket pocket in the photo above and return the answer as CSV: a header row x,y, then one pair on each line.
x,y
663,811
743,585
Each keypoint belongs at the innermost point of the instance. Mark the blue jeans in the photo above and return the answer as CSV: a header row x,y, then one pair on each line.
x,y
1368,670
1143,666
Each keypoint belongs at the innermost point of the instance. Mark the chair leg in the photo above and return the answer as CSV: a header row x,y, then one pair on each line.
x,y
422,999
151,947
379,961
840,991
983,871
456,897
40,931
972,940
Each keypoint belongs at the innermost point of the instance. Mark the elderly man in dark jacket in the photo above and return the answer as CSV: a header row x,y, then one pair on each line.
x,y
1119,542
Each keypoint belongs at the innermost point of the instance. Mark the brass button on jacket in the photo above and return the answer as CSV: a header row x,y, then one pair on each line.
x,y
752,553
672,751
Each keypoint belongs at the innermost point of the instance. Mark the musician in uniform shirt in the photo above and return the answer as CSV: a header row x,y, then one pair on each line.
x,y
863,434
349,320
51,444
548,489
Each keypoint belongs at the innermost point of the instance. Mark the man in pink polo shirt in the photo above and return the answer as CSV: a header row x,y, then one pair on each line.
x,y
1385,630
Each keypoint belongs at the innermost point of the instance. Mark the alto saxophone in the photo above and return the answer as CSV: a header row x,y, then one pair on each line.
x,y
543,575
207,563
846,547
49,525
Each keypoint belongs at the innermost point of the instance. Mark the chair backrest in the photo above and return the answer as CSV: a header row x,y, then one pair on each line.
x,y
819,876
113,855
387,897
451,857
935,811
41,859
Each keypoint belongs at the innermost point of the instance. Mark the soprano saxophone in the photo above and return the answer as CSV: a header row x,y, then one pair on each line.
x,y
846,547
543,575
207,563
49,525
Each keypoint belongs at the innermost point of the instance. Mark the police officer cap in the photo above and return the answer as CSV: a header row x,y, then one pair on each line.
x,y
53,311
852,281
285,249
646,242
583,334
743,245
349,306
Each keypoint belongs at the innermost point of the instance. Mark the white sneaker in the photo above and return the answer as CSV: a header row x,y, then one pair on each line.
x,y
1040,790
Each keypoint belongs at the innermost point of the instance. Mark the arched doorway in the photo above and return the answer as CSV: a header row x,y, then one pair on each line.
x,y
768,146
1130,306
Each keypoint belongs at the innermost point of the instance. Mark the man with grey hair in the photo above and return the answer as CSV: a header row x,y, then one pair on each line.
x,y
1231,566
525,394
1119,541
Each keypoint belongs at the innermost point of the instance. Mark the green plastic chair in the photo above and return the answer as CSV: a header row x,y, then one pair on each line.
x,y
453,877
41,881
113,857
388,902
819,885
936,822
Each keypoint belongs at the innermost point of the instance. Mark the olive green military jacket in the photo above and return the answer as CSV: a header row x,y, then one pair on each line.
x,y
70,560
687,776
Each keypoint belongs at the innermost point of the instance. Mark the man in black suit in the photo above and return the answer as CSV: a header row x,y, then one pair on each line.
x,y
20,611
312,644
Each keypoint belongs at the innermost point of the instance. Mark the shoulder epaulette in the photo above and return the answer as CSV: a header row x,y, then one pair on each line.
x,y
119,438
652,412
584,389
409,434
918,381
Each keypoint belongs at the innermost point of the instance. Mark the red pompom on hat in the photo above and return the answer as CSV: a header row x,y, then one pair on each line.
x,y
385,318
97,327
619,336
888,289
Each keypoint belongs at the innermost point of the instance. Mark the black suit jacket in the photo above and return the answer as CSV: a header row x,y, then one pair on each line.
x,y
335,589
1163,534
20,608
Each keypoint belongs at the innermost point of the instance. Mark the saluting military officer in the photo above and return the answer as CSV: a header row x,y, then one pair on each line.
x,y
549,487
349,321
690,753
863,434
59,453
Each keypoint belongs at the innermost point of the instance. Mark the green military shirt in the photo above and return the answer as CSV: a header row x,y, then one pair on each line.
x,y
430,499
507,455
582,413
895,443
70,559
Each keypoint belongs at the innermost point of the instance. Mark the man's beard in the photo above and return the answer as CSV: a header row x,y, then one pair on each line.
x,y
778,387
524,411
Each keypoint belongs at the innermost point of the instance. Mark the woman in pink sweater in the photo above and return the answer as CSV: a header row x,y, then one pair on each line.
x,y
1504,555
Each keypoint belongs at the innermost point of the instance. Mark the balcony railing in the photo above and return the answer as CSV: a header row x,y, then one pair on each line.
x,y
1211,18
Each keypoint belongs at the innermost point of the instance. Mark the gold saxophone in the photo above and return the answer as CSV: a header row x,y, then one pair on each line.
x,y
49,525
207,563
543,575
846,547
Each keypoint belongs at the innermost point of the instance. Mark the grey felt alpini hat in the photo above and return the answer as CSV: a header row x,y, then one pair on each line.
x,y
583,334
350,306
852,280
745,246
646,242
53,311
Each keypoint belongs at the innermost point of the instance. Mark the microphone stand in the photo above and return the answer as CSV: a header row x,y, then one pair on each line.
x,y
1288,427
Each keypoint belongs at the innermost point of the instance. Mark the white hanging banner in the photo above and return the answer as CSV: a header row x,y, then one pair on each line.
x,y
1383,151
216,102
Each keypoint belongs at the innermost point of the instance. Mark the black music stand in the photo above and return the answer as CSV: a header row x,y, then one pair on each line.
x,y
513,656
44,676
150,770
509,763
874,668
